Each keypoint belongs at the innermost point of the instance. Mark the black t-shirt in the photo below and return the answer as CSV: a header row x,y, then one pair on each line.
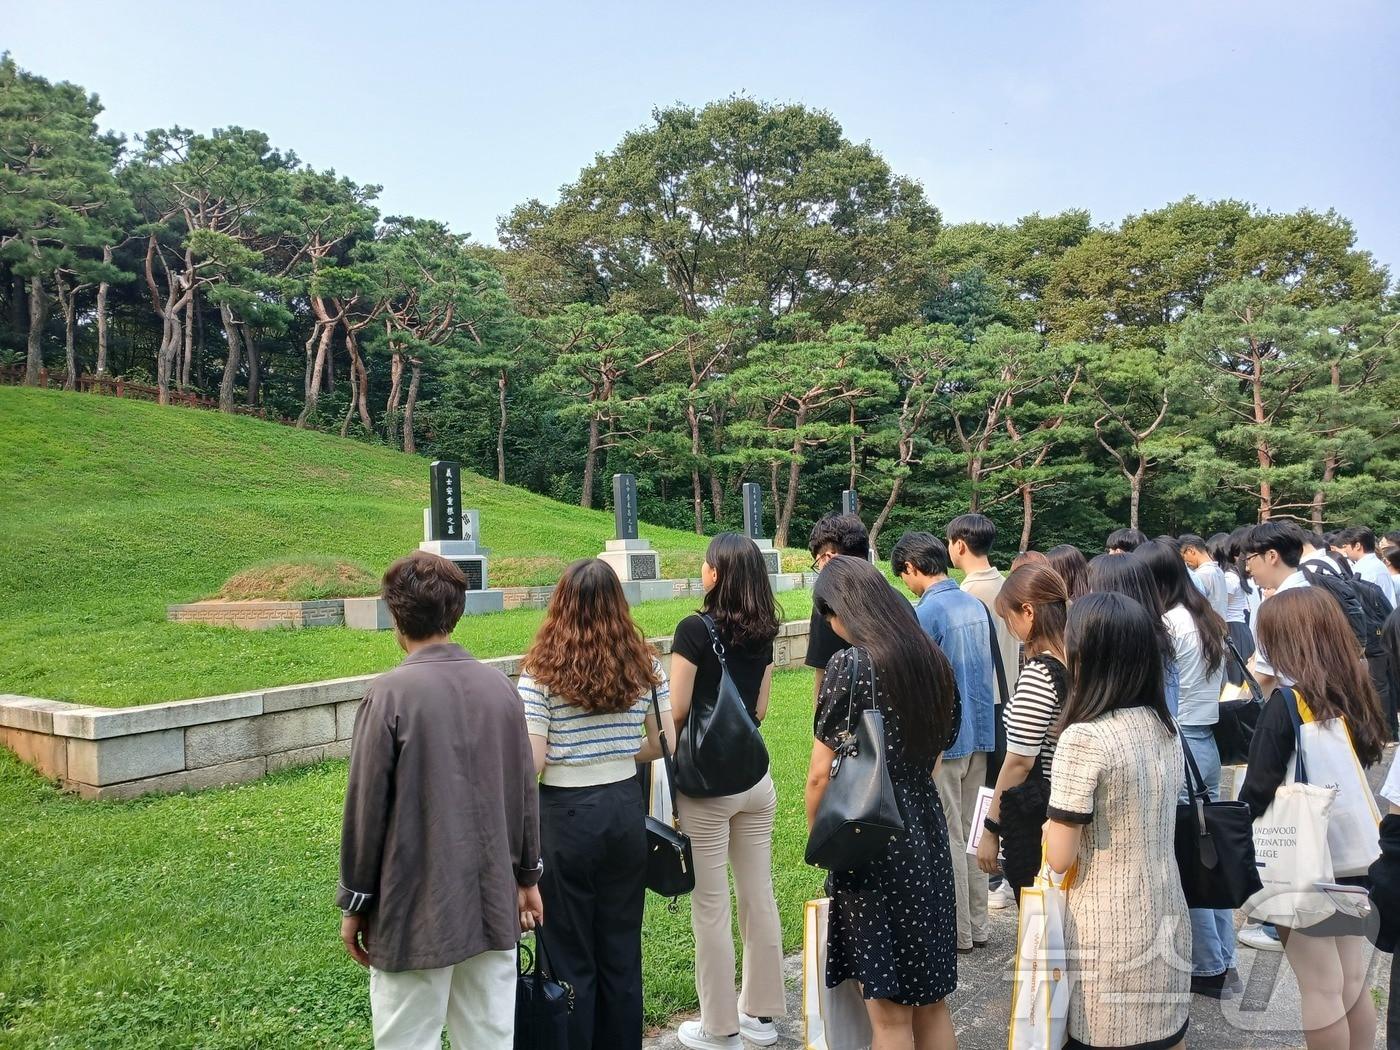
x,y
746,664
822,642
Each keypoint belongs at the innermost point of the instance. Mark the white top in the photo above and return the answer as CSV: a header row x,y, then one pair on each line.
x,y
1211,582
1319,556
1373,570
1390,790
587,748
1236,601
1297,579
1200,686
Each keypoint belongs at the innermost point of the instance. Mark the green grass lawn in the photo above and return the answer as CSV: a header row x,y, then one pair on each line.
x,y
110,510
207,920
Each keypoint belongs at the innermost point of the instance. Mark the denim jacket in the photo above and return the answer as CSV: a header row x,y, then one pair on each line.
x,y
958,623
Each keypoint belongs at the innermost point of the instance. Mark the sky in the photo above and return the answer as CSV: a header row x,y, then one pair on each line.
x,y
999,108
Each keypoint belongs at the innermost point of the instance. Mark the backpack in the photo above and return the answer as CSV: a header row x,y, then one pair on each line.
x,y
1362,602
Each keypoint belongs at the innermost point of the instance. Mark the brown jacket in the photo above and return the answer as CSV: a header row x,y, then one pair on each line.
x,y
441,812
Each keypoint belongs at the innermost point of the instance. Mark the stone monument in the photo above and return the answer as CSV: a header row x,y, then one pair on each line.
x,y
850,504
753,527
636,564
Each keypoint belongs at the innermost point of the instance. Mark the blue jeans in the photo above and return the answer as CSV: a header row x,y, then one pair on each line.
x,y
1212,931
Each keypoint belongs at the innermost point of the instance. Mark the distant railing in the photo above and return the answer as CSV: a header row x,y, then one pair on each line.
x,y
116,386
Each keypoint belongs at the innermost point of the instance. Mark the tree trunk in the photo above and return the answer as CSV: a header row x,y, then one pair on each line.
x,y
852,485
974,476
38,314
313,384
1135,493
235,345
1027,512
697,496
885,511
102,316
794,472
590,461
501,427
69,303
409,445
391,406
201,359
254,366
360,390
330,368
188,360
716,496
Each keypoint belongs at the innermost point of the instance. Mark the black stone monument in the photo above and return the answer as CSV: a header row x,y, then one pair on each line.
x,y
445,519
753,510
625,506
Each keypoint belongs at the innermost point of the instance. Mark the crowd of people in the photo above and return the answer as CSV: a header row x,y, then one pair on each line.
x,y
1076,689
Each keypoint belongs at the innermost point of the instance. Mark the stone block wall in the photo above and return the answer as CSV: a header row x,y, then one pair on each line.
x,y
260,616
185,745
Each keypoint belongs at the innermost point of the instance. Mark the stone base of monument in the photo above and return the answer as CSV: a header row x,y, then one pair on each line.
x,y
372,614
772,557
466,555
633,560
638,591
480,602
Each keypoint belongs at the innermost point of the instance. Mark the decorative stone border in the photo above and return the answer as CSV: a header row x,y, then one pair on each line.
x,y
185,745
260,615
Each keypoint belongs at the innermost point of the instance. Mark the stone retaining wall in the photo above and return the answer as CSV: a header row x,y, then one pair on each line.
x,y
110,752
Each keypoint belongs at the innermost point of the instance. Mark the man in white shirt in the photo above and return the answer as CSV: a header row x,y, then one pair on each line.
x,y
1359,544
1207,576
1316,552
1273,551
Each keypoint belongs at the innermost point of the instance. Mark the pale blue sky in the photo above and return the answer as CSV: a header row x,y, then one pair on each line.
x,y
461,110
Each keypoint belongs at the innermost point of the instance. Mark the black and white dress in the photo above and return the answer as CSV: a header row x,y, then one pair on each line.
x,y
893,922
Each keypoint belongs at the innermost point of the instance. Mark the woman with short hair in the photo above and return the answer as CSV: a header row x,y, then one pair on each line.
x,y
593,689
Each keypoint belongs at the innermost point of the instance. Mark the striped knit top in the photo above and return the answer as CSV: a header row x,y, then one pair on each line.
x,y
582,748
1034,708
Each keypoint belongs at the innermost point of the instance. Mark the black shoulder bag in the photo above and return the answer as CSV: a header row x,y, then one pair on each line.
x,y
670,869
542,1004
1214,846
858,816
1235,729
720,751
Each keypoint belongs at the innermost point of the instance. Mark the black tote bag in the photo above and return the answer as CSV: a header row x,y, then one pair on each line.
x,y
670,868
1235,729
720,751
542,1004
858,816
1214,847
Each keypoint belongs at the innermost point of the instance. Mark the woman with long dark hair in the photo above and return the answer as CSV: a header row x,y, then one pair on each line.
x,y
1198,640
1116,574
1118,772
1310,644
730,824
1068,560
1225,553
593,691
893,923
1034,603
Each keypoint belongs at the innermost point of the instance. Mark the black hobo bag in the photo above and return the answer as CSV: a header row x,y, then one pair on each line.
x,y
670,869
1235,729
858,816
1214,847
542,1004
720,751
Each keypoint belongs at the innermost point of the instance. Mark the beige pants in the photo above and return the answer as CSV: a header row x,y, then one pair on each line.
x,y
735,831
475,1000
958,780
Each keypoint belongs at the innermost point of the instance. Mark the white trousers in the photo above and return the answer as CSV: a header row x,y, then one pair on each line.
x,y
475,1000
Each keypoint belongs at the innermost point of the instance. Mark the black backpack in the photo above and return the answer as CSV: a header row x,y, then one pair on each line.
x,y
1362,601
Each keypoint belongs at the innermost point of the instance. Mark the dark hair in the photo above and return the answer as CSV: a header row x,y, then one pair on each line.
x,y
1282,536
1393,538
741,602
921,551
1392,557
1359,534
1112,661
426,595
1042,588
845,532
915,676
1175,588
1190,539
978,531
1236,553
1308,638
589,651
1068,560
1125,540
1028,558
1116,574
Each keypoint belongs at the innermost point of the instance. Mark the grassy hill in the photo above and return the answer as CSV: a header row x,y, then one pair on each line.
x,y
112,509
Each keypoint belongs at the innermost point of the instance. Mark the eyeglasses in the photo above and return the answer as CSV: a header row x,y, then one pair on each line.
x,y
821,559
1253,554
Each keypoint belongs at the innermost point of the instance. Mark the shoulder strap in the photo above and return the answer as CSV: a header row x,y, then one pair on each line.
x,y
716,646
665,755
1300,772
1255,693
996,655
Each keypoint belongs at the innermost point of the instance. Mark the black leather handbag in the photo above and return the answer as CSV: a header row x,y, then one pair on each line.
x,y
1235,729
1214,847
542,1004
720,751
670,869
858,816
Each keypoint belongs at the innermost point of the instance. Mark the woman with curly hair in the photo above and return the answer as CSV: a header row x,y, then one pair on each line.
x,y
593,691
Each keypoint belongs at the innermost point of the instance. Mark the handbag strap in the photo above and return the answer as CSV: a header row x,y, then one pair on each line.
x,y
716,646
1256,693
851,690
1195,783
655,710
996,656
1300,772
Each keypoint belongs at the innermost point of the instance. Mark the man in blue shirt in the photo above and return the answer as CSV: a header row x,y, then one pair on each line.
x,y
959,624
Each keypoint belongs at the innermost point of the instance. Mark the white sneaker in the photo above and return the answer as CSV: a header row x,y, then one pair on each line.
x,y
1001,898
757,1031
1252,935
693,1035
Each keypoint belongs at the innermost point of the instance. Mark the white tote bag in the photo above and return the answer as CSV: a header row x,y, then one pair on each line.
x,y
832,1018
1041,993
1353,833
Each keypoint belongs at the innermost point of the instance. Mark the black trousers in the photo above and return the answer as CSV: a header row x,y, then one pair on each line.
x,y
594,885
1388,690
